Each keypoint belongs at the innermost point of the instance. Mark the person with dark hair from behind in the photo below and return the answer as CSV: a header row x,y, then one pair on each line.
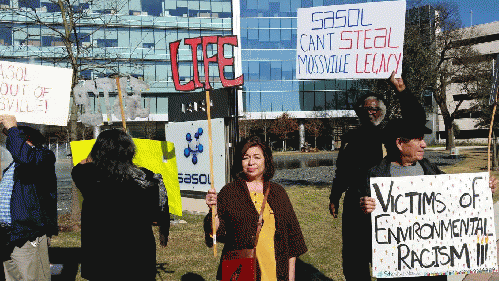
x,y
121,202
28,203
361,149
238,206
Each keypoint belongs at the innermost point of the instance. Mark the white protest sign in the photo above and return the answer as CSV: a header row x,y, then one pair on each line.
x,y
358,41
427,225
35,93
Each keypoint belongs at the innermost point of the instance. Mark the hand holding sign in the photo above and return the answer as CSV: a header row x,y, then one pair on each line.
x,y
398,83
8,121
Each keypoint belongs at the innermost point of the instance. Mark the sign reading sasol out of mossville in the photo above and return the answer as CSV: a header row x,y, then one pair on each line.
x,y
350,41
426,225
35,93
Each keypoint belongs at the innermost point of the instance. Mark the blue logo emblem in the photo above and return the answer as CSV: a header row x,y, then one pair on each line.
x,y
193,147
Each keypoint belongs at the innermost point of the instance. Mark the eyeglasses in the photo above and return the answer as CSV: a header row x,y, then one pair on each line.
x,y
370,108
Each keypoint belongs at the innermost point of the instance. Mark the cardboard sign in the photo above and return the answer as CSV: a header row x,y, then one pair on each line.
x,y
350,41
432,225
157,156
34,93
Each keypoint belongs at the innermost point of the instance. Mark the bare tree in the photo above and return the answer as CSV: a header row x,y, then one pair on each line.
x,y
438,56
264,123
283,126
314,127
72,27
246,126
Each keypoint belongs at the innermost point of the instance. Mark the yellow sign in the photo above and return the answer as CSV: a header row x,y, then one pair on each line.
x,y
157,156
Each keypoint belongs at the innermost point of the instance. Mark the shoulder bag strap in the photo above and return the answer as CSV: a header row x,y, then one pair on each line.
x,y
260,219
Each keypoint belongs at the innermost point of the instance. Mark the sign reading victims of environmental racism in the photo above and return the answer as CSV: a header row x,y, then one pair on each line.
x,y
426,225
35,93
350,41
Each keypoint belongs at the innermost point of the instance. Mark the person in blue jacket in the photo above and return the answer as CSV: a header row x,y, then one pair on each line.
x,y
28,203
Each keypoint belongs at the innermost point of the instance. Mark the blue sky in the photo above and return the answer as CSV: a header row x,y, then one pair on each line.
x,y
484,11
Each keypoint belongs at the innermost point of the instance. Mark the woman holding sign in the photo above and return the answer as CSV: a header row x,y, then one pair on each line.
x,y
239,205
121,202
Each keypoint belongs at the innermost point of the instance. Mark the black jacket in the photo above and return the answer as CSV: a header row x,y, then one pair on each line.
x,y
117,240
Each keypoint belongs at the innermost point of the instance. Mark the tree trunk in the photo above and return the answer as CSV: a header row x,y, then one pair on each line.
x,y
284,145
73,122
315,142
449,142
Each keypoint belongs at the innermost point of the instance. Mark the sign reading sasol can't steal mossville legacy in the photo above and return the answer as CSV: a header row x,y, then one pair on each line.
x,y
426,225
359,41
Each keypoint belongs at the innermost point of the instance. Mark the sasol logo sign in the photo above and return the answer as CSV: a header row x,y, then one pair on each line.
x,y
193,162
193,147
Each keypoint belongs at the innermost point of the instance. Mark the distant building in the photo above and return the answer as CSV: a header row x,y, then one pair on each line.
x,y
485,39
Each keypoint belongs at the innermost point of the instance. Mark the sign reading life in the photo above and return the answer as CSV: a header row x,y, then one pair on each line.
x,y
350,41
206,43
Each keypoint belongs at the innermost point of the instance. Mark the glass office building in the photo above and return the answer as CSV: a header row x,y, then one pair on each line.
x,y
126,37
268,40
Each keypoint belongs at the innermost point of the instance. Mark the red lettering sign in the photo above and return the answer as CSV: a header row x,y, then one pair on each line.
x,y
219,58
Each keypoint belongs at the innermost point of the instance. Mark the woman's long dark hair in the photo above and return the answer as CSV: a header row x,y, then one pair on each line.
x,y
243,146
113,153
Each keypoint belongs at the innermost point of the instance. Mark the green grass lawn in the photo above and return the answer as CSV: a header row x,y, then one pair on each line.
x,y
186,256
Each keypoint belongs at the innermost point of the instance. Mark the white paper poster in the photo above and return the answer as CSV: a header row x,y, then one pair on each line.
x,y
358,41
429,225
34,93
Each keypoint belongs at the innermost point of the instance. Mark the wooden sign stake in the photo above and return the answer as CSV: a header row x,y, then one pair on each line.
x,y
210,144
490,133
123,120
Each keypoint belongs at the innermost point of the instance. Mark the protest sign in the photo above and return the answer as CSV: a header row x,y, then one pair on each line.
x,y
157,156
357,41
429,225
35,93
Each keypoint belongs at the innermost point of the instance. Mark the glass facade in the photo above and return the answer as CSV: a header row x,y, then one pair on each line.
x,y
128,37
268,42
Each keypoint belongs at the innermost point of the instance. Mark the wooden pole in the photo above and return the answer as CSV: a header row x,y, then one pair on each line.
x,y
210,144
490,132
123,118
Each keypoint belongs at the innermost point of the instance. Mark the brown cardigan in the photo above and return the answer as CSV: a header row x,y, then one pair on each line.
x,y
238,223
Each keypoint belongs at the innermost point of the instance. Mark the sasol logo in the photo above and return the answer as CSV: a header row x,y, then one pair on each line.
x,y
193,147
194,178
